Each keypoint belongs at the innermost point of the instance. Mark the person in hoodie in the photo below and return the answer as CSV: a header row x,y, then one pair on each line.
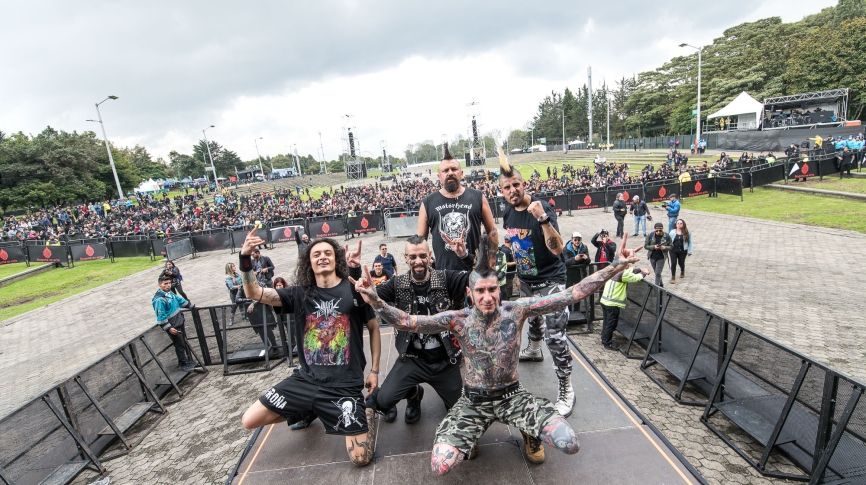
x,y
167,305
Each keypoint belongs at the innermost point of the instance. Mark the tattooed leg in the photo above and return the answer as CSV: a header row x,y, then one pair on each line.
x,y
361,447
558,433
444,458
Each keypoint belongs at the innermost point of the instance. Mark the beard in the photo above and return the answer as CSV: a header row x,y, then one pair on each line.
x,y
419,273
452,185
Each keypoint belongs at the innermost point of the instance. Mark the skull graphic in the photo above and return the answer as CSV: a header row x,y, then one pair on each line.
x,y
452,225
347,410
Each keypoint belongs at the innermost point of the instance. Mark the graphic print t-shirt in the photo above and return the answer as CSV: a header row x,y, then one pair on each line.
x,y
535,263
451,216
330,330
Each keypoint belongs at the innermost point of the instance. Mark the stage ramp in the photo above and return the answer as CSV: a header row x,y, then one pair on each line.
x,y
616,446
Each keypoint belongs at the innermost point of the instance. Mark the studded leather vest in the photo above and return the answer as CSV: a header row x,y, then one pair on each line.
x,y
439,302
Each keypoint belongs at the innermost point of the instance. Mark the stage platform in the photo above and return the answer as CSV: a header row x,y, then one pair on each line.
x,y
616,446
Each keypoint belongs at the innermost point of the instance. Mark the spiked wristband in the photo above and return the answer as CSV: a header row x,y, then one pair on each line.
x,y
246,262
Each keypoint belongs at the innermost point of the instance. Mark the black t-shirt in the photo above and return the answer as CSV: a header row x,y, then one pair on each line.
x,y
329,324
535,263
656,241
678,244
452,216
427,346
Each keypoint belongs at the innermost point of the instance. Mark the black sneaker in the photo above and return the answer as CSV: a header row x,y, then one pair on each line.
x,y
391,415
413,406
305,421
187,366
612,346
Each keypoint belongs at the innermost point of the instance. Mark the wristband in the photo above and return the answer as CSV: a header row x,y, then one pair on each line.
x,y
246,262
374,372
545,221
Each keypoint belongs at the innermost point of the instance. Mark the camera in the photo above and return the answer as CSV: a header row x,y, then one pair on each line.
x,y
665,205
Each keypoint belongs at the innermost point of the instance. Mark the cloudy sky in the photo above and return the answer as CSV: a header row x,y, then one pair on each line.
x,y
286,71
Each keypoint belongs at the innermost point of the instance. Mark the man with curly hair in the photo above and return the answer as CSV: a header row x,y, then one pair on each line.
x,y
329,320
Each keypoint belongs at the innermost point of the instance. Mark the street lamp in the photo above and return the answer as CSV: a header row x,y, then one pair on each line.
x,y
562,113
207,144
256,141
698,130
105,137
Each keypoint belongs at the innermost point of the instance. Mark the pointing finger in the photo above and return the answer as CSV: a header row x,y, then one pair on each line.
x,y
360,241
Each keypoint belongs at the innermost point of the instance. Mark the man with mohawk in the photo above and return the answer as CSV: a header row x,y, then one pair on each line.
x,y
455,212
531,226
489,334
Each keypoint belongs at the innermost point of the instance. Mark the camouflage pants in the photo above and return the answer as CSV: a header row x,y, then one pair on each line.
x,y
467,421
551,328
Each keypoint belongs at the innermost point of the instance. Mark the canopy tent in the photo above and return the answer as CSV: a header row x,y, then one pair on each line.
x,y
749,110
148,186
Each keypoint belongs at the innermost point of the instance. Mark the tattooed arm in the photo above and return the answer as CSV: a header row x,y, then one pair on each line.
x,y
252,289
398,318
540,305
490,227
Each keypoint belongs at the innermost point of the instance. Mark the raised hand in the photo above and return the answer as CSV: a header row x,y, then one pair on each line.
x,y
535,208
251,242
366,289
353,258
458,245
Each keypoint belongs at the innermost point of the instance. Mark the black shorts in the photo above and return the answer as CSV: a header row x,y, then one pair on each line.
x,y
341,409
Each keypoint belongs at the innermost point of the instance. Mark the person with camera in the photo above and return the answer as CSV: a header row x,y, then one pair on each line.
x,y
657,245
619,210
673,208
606,248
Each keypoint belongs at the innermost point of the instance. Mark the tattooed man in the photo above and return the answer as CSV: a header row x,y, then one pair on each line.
x,y
531,225
329,320
489,334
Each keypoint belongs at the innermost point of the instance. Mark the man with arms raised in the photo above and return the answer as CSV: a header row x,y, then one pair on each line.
x,y
329,319
422,358
489,334
454,210
531,225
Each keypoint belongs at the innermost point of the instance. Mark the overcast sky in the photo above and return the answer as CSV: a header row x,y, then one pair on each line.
x,y
285,71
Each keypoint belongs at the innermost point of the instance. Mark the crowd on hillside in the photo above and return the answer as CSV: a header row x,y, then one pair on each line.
x,y
160,215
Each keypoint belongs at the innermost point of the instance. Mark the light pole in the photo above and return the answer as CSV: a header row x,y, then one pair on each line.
x,y
105,137
562,113
608,119
209,154
256,141
698,129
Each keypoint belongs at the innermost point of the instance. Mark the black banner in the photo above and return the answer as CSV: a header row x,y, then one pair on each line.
x,y
557,202
88,252
47,254
239,236
657,193
730,185
589,200
769,175
802,170
158,247
695,188
827,167
285,233
627,194
364,223
11,255
327,229
130,249
212,242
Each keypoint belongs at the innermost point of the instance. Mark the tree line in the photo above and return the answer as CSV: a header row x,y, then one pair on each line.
x,y
765,58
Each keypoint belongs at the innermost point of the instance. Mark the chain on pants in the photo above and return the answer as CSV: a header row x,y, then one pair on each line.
x,y
551,328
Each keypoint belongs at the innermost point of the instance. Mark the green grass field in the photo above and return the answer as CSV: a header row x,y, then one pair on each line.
x,y
796,208
852,185
57,284
11,269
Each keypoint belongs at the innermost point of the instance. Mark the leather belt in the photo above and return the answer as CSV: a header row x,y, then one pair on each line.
x,y
485,395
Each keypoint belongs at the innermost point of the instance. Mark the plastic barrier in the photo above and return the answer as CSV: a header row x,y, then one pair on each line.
x,y
283,234
12,255
178,249
661,191
697,188
131,248
41,253
401,226
212,242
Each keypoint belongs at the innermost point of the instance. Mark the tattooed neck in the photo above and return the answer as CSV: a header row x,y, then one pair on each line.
x,y
487,320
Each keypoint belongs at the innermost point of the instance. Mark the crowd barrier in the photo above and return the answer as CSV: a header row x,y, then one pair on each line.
x,y
101,412
784,413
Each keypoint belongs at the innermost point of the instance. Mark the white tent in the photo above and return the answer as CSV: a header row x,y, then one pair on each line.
x,y
748,110
148,186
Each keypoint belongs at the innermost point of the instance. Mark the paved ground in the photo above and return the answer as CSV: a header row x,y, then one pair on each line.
x,y
791,283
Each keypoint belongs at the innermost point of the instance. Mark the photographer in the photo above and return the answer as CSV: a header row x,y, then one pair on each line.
x,y
606,248
673,208
657,245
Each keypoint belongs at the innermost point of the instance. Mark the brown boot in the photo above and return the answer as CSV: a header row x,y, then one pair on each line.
x,y
534,450
673,280
682,274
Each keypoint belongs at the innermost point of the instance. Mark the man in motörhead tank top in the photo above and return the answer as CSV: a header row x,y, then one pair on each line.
x,y
455,212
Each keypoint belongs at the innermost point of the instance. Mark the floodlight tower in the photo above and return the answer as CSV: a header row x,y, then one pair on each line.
x,y
477,151
323,167
356,169
589,75
386,164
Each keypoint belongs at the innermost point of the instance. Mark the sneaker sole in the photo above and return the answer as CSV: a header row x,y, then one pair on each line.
x,y
534,461
530,359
